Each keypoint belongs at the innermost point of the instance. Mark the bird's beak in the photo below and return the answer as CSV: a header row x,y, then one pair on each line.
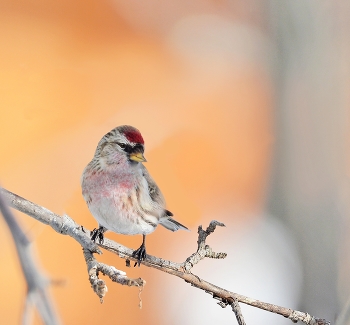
x,y
137,156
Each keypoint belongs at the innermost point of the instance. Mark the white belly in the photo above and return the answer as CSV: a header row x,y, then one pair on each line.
x,y
113,217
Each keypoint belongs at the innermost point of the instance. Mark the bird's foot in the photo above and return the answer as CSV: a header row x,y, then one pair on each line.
x,y
98,233
140,254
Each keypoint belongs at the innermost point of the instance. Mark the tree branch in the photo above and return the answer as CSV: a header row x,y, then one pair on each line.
x,y
65,225
37,294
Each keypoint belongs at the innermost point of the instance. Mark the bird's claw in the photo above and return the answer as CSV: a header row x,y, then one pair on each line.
x,y
97,233
140,254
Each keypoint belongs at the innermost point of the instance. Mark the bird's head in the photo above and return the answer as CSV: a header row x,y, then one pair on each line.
x,y
124,143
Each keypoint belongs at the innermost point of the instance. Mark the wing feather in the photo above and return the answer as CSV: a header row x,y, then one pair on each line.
x,y
154,191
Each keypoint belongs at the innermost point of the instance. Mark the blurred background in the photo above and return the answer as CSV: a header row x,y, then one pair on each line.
x,y
244,110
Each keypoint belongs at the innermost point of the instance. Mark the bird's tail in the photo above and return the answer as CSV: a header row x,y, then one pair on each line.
x,y
171,224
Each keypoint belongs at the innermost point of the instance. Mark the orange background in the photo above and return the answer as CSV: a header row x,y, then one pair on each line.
x,y
70,71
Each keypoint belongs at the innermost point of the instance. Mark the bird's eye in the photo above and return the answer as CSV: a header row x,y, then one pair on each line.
x,y
122,145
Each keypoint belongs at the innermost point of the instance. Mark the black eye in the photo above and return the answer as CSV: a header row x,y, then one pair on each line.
x,y
122,145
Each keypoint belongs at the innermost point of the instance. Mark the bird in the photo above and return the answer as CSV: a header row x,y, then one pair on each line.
x,y
119,191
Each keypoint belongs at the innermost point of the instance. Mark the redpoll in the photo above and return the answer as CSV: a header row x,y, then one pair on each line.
x,y
120,193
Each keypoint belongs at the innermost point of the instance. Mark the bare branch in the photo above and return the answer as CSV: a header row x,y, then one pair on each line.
x,y
68,226
115,275
63,225
37,294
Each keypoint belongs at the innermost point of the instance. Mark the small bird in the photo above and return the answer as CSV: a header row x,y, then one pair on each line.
x,y
120,193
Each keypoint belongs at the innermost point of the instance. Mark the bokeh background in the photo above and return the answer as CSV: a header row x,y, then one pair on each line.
x,y
244,110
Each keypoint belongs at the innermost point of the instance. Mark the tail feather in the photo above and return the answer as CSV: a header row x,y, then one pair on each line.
x,y
171,224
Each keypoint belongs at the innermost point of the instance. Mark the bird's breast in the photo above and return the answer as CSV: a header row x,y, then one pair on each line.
x,y
116,203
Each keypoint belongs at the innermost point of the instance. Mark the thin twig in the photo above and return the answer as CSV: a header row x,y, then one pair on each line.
x,y
178,269
236,308
204,250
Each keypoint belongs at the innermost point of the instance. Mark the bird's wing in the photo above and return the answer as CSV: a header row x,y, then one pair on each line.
x,y
156,195
153,190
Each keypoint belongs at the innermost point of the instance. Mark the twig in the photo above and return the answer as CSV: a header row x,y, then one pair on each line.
x,y
203,249
37,294
115,275
178,269
236,308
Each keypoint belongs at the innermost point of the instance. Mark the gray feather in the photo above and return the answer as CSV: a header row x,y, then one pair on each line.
x,y
153,190
156,195
171,224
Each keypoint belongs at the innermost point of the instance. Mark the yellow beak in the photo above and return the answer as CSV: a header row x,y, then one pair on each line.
x,y
137,156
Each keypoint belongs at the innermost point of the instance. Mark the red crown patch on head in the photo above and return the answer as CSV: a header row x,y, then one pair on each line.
x,y
132,134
